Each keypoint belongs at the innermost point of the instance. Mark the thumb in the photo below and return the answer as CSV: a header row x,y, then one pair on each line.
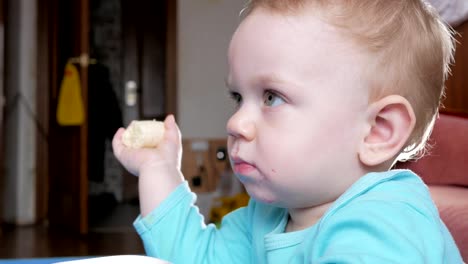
x,y
173,135
173,131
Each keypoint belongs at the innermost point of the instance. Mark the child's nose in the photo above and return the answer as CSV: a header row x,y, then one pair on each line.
x,y
241,125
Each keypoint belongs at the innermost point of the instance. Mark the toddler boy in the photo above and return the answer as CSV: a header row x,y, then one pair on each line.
x,y
329,94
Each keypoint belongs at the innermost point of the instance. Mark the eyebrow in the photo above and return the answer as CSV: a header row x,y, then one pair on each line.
x,y
269,78
264,80
277,82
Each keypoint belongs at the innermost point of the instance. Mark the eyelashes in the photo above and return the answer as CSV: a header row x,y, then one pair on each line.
x,y
236,97
270,98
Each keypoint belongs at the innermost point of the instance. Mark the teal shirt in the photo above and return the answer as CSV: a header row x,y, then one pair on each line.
x,y
384,217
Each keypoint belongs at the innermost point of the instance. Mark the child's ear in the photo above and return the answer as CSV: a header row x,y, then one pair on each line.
x,y
390,122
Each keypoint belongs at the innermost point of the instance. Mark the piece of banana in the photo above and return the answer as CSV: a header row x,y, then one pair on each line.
x,y
143,134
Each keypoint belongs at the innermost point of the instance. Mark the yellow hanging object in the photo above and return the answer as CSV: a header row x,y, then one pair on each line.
x,y
70,109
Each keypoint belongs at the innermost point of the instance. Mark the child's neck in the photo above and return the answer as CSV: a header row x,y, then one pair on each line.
x,y
302,218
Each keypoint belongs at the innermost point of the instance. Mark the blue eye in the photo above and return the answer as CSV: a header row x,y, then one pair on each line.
x,y
271,99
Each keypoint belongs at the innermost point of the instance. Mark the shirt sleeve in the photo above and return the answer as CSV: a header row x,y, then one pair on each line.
x,y
175,231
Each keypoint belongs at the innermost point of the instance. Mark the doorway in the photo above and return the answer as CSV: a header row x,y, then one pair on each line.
x,y
130,74
126,81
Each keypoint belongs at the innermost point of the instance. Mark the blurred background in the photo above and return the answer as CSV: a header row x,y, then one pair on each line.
x,y
73,71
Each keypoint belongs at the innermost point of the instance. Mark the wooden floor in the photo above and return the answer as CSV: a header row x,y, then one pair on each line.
x,y
113,234
39,241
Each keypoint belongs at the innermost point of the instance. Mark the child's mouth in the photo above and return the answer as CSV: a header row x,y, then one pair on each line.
x,y
243,168
239,166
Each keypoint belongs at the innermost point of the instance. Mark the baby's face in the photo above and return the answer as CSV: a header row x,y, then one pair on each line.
x,y
294,136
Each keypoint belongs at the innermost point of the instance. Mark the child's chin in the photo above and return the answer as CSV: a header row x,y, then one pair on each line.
x,y
260,194
262,199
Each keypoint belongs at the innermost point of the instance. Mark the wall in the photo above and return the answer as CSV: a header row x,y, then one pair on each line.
x,y
205,28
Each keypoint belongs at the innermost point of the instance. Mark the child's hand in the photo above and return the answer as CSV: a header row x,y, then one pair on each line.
x,y
168,152
158,168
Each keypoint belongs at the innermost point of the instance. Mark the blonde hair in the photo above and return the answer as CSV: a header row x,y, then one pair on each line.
x,y
412,46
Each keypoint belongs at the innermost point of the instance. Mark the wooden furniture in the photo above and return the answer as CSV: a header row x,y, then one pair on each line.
x,y
457,85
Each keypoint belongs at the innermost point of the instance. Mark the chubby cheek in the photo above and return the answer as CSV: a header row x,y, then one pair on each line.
x,y
275,156
289,158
